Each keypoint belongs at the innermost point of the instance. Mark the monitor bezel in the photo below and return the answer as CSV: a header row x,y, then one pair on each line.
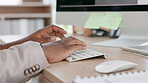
x,y
129,7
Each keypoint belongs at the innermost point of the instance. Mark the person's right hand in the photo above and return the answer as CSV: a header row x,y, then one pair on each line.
x,y
59,50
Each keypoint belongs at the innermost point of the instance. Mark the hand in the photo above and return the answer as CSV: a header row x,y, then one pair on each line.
x,y
47,34
44,35
59,50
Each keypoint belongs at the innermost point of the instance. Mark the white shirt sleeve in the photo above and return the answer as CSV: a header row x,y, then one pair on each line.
x,y
20,62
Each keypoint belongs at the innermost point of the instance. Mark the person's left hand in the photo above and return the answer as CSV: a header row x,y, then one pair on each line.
x,y
47,34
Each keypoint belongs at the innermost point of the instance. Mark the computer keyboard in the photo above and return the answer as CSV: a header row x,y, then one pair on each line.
x,y
84,54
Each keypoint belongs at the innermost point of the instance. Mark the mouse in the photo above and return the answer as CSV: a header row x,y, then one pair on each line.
x,y
114,66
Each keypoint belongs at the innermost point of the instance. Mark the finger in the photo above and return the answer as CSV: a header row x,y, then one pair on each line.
x,y
61,36
70,38
58,34
44,34
47,29
80,42
58,29
76,47
48,37
53,34
54,28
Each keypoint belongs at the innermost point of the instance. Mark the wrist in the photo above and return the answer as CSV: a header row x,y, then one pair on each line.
x,y
0,46
45,51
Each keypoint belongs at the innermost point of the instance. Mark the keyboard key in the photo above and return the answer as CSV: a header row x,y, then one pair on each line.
x,y
84,54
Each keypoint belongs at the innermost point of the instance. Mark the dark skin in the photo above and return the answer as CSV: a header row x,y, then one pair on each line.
x,y
44,35
59,50
54,50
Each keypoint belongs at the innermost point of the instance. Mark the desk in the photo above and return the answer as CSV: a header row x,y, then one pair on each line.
x,y
65,72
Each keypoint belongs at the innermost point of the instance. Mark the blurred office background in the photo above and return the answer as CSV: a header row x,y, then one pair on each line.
x,y
24,16
21,17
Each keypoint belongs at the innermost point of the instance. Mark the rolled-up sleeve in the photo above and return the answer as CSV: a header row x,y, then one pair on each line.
x,y
21,62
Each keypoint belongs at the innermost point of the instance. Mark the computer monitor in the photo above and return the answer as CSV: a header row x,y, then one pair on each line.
x,y
76,12
135,17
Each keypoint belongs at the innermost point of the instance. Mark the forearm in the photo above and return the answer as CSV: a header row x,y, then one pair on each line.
x,y
7,45
0,47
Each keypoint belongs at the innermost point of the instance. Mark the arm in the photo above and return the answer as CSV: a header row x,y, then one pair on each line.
x,y
44,35
21,62
7,45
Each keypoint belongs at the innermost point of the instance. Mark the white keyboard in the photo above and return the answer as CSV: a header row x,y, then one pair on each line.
x,y
84,54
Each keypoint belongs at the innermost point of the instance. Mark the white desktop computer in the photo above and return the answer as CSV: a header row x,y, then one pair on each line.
x,y
135,17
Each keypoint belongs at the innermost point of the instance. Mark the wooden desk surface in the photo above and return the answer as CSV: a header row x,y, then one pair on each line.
x,y
65,72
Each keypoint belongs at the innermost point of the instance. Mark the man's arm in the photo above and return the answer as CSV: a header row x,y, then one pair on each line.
x,y
0,46
7,45
47,34
20,62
